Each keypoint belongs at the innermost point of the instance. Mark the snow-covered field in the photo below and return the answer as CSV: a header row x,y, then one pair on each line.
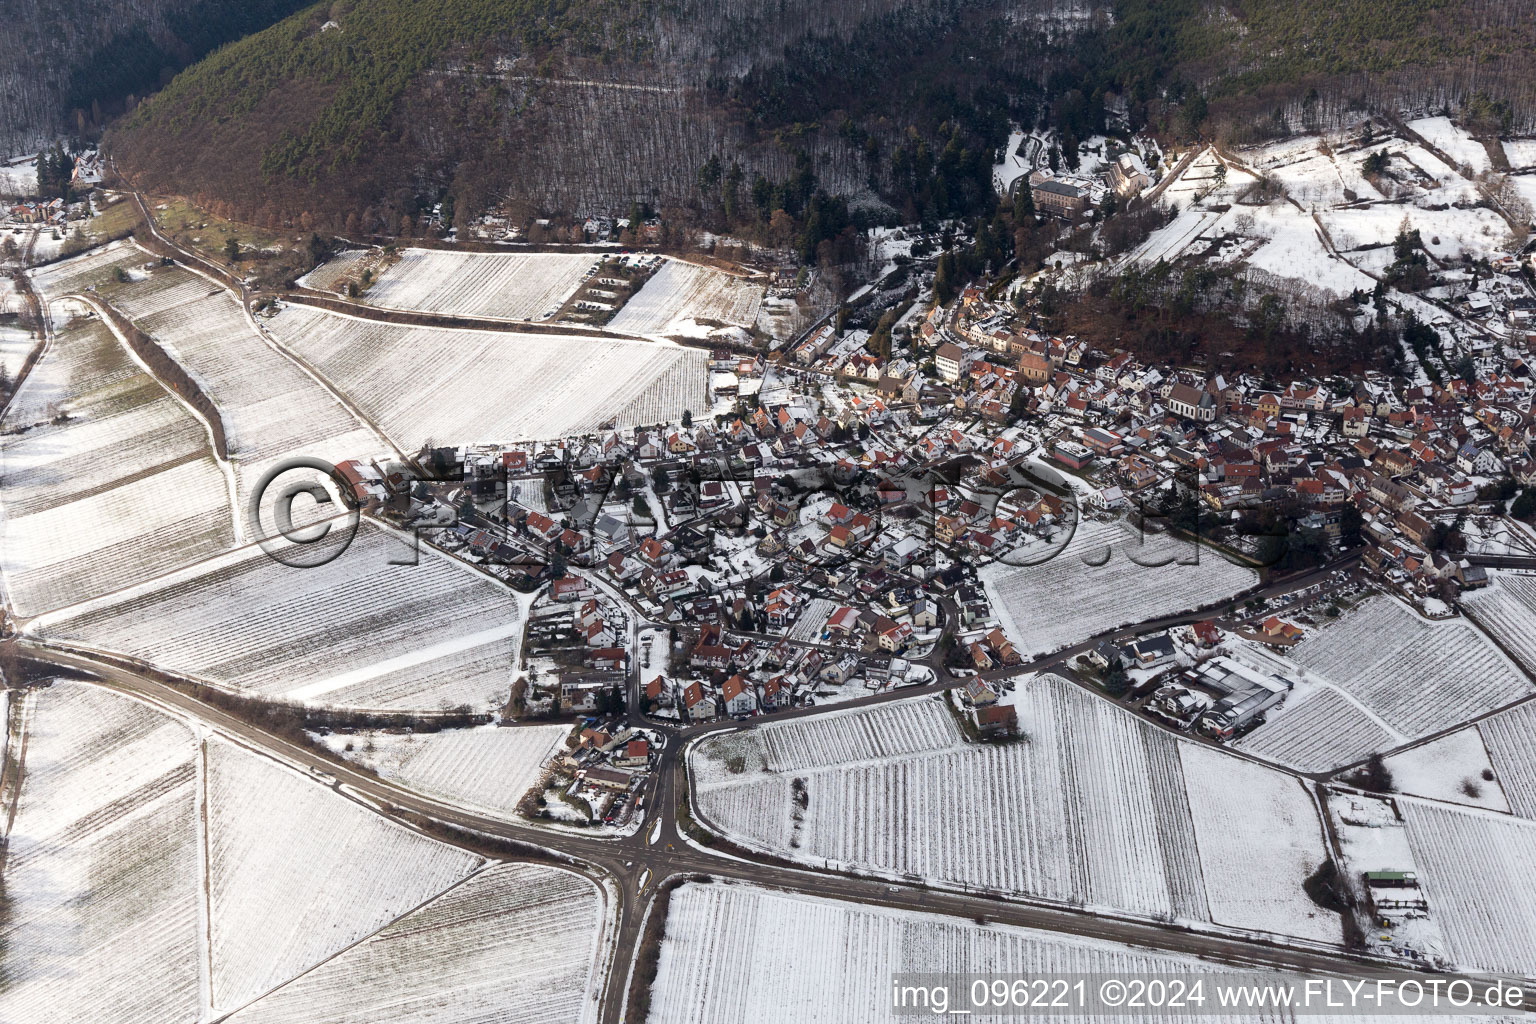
x,y
153,879
503,286
457,387
1510,741
1417,676
1449,768
1453,142
356,632
1475,869
487,769
839,958
103,906
516,942
1091,808
1064,600
124,488
685,299
1259,838
1507,610
270,407
328,276
1319,730
297,873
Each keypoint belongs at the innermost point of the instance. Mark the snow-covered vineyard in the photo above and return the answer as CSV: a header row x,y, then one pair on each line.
x,y
1092,807
356,632
845,955
269,407
1474,867
1507,610
689,300
102,864
1379,677
514,942
1416,676
1093,585
502,286
486,769
315,907
108,478
344,871
457,387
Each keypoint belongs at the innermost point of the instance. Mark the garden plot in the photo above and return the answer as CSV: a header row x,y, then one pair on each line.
x,y
1475,869
517,942
297,873
1065,600
1417,676
460,387
103,906
1507,610
1089,809
271,409
356,632
685,299
487,769
1510,740
501,286
812,620
1454,768
841,958
109,479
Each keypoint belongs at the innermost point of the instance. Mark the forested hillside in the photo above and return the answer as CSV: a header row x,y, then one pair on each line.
x,y
372,108
68,64
356,114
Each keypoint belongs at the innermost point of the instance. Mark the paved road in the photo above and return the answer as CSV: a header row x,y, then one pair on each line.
x,y
636,866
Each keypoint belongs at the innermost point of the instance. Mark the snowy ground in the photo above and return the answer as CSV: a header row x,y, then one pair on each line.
x,y
124,488
1453,142
1450,768
505,286
688,300
1068,598
356,632
458,387
1093,807
487,769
